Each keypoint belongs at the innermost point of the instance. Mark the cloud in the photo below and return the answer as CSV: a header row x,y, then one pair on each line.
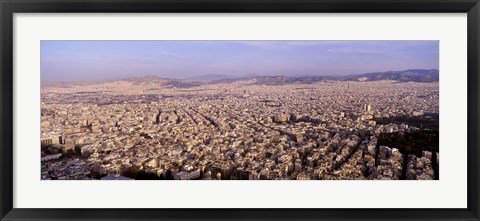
x,y
148,59
354,50
288,44
167,53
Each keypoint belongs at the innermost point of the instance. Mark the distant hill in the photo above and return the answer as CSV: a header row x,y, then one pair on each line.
x,y
413,75
210,77
281,80
168,82
278,80
182,83
146,79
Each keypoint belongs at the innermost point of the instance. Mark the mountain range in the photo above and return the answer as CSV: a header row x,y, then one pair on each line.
x,y
410,75
415,75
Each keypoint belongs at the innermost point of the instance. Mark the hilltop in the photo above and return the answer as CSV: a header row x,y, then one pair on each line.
x,y
410,75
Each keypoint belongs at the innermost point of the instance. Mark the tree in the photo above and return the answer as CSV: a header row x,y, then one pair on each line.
x,y
130,172
169,175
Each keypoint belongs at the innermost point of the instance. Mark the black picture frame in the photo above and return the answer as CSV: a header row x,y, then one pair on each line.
x,y
9,7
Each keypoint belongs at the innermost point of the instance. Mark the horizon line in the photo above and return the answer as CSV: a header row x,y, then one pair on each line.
x,y
245,76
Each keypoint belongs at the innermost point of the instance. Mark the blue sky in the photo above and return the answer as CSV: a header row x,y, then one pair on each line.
x,y
104,60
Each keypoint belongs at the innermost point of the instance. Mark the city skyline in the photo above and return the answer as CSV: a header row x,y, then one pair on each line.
x,y
111,60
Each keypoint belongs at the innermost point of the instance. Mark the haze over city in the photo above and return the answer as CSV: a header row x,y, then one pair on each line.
x,y
110,60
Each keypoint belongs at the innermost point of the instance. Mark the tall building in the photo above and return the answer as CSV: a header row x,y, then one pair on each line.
x,y
367,107
48,141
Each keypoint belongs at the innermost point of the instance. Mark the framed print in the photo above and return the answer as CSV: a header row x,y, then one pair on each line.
x,y
260,110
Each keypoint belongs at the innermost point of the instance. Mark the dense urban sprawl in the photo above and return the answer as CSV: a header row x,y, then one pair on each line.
x,y
233,131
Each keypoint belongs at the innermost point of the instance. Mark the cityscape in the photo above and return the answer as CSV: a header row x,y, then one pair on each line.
x,y
296,122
